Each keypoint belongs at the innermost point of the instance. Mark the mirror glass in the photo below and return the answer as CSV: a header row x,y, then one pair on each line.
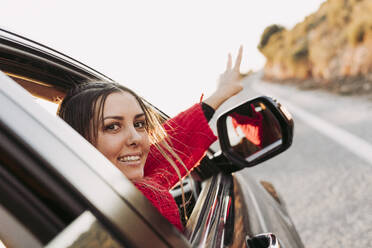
x,y
253,130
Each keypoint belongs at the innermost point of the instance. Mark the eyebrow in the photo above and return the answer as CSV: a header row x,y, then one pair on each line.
x,y
121,118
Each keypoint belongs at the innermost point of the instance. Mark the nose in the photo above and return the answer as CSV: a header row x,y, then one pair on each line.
x,y
133,137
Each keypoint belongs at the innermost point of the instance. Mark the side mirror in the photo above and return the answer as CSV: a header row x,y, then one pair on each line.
x,y
254,131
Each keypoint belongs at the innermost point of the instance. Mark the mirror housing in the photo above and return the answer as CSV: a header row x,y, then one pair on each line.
x,y
254,131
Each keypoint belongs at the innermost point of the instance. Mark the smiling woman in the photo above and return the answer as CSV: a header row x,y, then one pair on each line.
x,y
117,122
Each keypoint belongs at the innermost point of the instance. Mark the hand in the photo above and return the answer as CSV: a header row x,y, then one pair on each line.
x,y
229,83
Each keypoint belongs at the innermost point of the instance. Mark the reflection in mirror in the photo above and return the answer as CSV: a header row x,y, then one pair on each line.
x,y
253,130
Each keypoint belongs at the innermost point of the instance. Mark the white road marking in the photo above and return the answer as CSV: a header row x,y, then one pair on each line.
x,y
354,144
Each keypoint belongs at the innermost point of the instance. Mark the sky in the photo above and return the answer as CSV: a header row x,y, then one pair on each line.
x,y
168,51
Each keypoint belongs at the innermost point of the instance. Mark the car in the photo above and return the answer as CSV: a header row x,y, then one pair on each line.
x,y
57,190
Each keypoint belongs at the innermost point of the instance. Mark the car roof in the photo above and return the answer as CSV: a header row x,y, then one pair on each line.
x,y
43,71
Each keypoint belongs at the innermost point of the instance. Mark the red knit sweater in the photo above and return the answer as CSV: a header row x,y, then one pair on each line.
x,y
190,136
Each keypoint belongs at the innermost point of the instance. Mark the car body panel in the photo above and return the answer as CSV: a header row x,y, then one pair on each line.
x,y
264,213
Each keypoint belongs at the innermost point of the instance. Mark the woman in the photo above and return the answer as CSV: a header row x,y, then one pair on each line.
x,y
154,156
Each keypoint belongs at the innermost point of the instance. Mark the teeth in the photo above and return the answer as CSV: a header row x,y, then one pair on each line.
x,y
129,158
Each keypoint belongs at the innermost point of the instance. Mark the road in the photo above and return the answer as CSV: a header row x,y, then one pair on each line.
x,y
326,176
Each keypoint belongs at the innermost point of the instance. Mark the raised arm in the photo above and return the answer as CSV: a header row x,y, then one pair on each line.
x,y
189,131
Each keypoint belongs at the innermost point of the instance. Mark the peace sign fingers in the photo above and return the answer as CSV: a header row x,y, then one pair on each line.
x,y
238,60
229,62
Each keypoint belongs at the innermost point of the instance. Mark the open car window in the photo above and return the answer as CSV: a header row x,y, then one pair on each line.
x,y
90,178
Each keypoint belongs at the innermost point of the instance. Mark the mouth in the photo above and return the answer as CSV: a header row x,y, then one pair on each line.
x,y
130,159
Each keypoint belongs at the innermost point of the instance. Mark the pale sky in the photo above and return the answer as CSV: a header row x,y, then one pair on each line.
x,y
168,51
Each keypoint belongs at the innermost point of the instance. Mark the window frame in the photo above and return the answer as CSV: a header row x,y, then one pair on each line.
x,y
107,193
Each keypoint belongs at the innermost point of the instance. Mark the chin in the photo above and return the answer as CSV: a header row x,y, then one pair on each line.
x,y
134,175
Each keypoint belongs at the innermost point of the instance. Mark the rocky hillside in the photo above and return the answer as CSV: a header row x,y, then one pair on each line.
x,y
332,46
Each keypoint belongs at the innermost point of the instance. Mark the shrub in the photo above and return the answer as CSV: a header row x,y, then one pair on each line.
x,y
268,32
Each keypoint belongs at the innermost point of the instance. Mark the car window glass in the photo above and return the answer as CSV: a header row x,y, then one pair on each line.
x,y
85,231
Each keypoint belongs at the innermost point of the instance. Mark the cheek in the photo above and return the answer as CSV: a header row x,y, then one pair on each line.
x,y
108,145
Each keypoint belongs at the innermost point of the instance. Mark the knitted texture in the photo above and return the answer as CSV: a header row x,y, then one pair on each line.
x,y
190,137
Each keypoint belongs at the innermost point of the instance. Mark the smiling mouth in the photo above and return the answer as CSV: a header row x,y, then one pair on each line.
x,y
134,158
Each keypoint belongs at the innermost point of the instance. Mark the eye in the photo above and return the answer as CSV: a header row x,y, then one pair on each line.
x,y
112,127
140,124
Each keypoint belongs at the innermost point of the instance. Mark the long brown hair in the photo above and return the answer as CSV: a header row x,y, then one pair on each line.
x,y
82,108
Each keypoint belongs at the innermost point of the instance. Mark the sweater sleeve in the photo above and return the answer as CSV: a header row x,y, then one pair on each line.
x,y
190,136
207,110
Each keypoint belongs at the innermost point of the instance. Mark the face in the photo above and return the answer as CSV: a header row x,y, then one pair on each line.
x,y
123,138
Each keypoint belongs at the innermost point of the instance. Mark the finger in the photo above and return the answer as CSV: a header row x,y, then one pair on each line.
x,y
238,60
229,62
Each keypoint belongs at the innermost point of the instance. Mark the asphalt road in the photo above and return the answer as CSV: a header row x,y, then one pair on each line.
x,y
326,176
